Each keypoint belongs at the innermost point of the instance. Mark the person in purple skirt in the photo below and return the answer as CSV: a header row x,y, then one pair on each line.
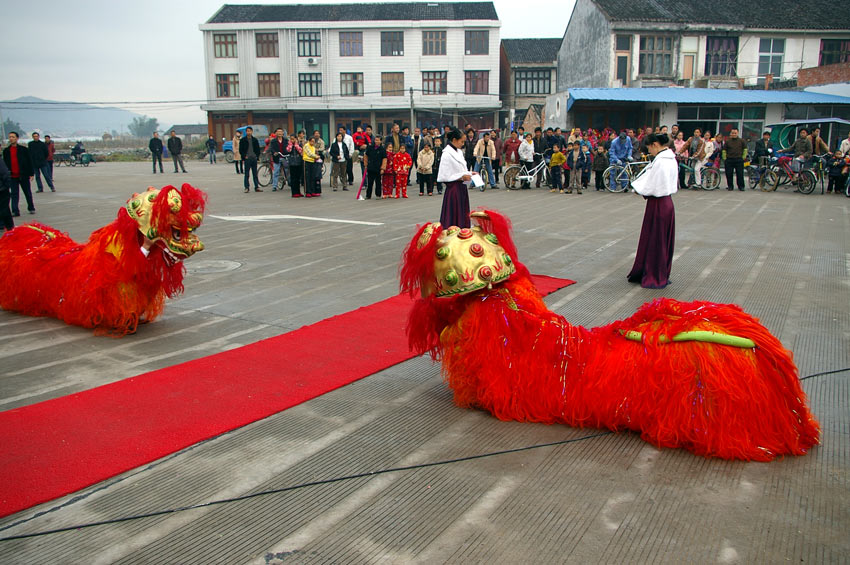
x,y
454,173
656,183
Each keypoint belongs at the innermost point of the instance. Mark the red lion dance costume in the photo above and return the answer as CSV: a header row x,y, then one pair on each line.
x,y
703,376
108,283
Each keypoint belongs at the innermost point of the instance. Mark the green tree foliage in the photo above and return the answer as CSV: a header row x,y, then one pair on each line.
x,y
143,126
10,125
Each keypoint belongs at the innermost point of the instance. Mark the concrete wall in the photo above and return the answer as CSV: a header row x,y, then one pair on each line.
x,y
587,51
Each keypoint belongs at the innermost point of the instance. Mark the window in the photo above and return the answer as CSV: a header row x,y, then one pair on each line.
x,y
267,45
224,45
770,56
656,55
623,55
533,82
351,84
268,85
392,84
309,84
721,56
433,42
477,42
477,82
392,43
434,82
834,51
227,86
351,44
309,44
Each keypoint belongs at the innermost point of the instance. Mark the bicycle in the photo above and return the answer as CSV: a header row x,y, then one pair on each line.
x,y
618,178
762,175
709,177
523,174
264,171
820,168
803,179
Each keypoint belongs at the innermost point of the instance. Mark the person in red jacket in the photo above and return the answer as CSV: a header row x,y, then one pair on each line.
x,y
402,162
511,149
18,161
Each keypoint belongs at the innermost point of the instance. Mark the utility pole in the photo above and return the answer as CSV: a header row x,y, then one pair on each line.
x,y
412,117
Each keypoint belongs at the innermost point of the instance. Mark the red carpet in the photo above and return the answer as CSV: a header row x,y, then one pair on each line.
x,y
62,445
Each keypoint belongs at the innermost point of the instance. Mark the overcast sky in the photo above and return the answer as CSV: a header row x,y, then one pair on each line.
x,y
151,50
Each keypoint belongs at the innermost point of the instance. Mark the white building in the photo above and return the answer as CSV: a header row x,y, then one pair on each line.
x,y
724,43
320,66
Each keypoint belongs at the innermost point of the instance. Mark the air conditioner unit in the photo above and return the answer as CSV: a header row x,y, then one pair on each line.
x,y
312,62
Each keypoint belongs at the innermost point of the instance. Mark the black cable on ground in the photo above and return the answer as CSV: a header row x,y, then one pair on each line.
x,y
300,486
332,480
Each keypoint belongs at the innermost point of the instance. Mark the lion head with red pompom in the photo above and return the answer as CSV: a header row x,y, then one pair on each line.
x,y
169,217
445,266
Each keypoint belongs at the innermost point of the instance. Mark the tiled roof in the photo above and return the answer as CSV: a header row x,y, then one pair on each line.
x,y
533,50
702,96
773,14
189,129
392,11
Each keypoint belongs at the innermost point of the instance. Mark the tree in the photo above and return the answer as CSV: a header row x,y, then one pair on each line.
x,y
10,125
143,126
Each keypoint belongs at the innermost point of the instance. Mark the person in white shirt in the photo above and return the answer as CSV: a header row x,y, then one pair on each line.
x,y
339,157
352,155
526,157
657,182
454,173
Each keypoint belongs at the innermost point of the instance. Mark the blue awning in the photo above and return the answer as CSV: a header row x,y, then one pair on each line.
x,y
677,95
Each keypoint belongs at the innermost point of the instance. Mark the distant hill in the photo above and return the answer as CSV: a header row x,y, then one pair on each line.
x,y
63,119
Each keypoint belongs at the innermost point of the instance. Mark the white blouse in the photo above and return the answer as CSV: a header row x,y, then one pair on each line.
x,y
452,165
660,177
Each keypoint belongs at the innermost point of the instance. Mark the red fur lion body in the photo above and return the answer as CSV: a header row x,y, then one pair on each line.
x,y
107,283
504,351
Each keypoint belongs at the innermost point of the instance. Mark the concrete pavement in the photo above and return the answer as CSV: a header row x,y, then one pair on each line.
x,y
592,498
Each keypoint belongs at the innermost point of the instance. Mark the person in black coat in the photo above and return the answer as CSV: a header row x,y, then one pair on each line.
x,y
211,148
249,150
5,191
17,158
38,156
175,147
155,146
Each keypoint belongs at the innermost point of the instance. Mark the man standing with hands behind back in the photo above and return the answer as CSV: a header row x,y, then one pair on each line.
x,y
734,153
175,147
38,156
155,146
249,150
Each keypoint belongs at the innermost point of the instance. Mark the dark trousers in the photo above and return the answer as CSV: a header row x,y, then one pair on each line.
x,y
600,180
5,213
239,167
556,178
251,167
349,170
497,168
212,155
373,178
18,185
178,158
736,167
50,165
426,180
296,173
312,178
43,169
157,158
836,183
